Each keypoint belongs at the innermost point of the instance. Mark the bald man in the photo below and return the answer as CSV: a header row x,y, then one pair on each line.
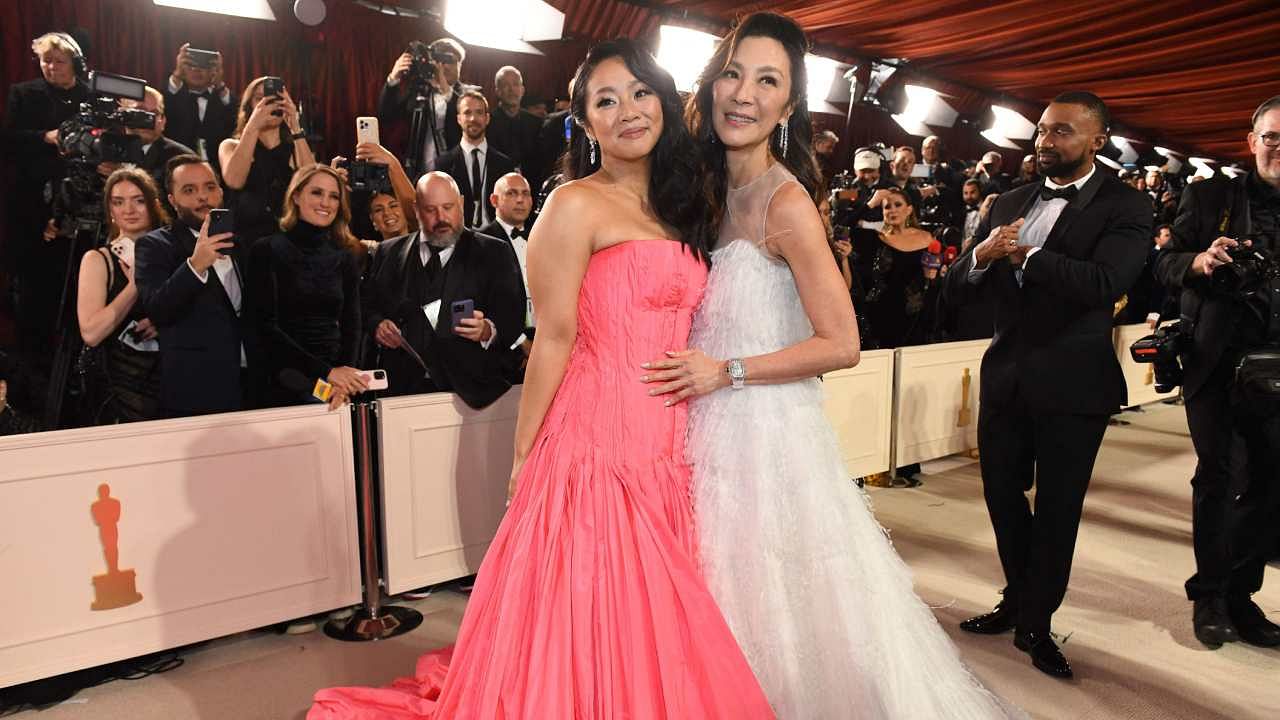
x,y
419,281
512,201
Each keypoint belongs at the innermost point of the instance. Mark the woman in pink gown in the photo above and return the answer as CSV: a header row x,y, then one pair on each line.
x,y
589,603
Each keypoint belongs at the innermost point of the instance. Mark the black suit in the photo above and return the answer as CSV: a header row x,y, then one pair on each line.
x,y
201,335
155,159
482,269
1050,378
516,137
1234,515
457,164
184,125
551,145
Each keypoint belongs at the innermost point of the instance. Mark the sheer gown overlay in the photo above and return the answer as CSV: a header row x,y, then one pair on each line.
x,y
819,600
589,604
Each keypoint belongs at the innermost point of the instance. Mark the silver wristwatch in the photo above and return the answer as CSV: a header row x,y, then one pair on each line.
x,y
737,374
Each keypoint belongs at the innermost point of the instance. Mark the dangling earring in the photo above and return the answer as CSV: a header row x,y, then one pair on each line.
x,y
782,139
592,155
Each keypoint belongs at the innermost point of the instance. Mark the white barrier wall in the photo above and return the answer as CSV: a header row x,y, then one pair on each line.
x,y
931,392
859,405
221,524
445,469
1138,377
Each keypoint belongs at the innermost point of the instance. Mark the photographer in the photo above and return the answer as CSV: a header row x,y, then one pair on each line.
x,y
156,149
35,110
1229,302
391,193
259,158
859,206
201,109
431,73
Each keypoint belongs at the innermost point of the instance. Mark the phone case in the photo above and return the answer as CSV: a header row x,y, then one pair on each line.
x,y
367,130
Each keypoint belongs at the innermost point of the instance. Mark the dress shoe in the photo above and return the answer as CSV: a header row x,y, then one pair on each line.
x,y
1251,623
1212,622
1044,653
1002,619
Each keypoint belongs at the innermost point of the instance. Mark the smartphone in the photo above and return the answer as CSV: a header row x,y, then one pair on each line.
x,y
220,221
123,249
202,58
272,86
367,130
461,310
920,171
376,379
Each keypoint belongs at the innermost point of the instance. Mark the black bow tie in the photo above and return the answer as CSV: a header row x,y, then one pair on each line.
x,y
518,233
1067,193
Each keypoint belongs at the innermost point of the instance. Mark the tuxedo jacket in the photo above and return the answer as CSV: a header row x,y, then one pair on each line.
x,y
155,159
457,165
516,137
482,269
200,333
1210,209
1053,346
494,229
183,123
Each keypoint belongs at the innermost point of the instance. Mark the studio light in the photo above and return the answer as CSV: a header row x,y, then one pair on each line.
x,y
1233,171
1203,166
880,74
822,73
684,52
503,24
1108,162
256,9
925,107
1128,155
995,138
1011,124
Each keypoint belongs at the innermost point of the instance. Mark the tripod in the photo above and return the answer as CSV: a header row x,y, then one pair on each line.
x,y
89,234
422,124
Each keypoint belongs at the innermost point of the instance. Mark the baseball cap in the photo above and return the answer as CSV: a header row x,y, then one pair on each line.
x,y
866,160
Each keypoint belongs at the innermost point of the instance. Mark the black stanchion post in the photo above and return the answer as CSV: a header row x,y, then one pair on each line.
x,y
373,621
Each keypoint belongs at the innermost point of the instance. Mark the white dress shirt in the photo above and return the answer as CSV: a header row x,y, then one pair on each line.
x,y
202,101
1038,223
521,246
424,252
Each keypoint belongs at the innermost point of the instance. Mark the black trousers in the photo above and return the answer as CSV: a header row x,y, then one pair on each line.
x,y
1055,454
1235,492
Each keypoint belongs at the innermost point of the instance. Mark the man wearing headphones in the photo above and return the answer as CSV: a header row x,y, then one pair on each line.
x,y
35,258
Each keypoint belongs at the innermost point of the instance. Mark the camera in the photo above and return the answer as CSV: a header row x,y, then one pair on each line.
x,y
1251,269
423,70
366,176
98,133
1162,349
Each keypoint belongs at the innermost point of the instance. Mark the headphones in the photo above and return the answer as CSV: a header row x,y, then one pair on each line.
x,y
78,64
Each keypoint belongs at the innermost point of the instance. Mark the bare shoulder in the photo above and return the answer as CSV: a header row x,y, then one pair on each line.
x,y
792,219
566,219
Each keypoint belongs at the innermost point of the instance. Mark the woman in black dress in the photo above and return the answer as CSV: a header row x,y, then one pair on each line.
x,y
259,159
305,282
901,296
120,364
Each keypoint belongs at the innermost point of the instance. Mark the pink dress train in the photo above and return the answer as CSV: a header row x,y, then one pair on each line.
x,y
589,604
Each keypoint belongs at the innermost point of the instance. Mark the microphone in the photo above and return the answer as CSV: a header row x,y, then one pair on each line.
x,y
301,385
931,260
950,255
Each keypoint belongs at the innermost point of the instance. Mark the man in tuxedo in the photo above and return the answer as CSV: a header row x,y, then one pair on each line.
x,y
512,200
1053,259
156,150
412,288
399,96
201,111
990,171
190,284
513,131
1234,529
941,189
474,164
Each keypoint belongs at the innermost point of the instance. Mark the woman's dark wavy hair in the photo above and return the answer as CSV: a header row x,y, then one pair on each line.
x,y
799,157
674,168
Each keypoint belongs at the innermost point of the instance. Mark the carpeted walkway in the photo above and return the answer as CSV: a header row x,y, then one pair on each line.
x,y
1126,622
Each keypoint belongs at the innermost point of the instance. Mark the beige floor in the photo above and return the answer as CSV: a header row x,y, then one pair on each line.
x,y
1126,621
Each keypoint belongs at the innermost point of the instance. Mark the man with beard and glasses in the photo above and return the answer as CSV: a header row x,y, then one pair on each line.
x,y
474,164
411,291
190,284
1235,500
1053,258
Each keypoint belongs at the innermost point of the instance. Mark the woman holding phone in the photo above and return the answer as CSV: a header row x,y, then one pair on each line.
x,y
261,155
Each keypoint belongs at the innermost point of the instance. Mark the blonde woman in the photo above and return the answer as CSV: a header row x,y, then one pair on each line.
x,y
306,284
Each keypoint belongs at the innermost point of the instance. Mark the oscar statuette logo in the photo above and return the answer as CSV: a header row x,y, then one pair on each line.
x,y
117,587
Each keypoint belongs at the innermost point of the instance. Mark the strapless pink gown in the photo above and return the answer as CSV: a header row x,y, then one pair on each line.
x,y
589,604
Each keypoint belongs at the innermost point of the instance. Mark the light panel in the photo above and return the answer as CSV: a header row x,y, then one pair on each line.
x,y
995,138
1011,124
503,24
821,72
255,9
684,52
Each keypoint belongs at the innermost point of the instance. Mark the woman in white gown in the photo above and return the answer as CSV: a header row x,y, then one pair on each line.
x,y
816,596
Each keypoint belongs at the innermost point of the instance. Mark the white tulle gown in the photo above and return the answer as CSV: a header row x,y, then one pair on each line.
x,y
815,594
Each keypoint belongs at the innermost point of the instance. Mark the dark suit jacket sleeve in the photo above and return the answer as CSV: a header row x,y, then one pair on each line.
x,y
1117,259
505,303
390,103
370,309
283,350
956,288
1173,266
166,285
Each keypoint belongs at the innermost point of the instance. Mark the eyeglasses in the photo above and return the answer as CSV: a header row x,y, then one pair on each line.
x,y
1270,139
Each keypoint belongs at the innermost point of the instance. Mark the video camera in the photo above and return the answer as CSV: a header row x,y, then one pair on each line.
x,y
1250,272
98,133
423,71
